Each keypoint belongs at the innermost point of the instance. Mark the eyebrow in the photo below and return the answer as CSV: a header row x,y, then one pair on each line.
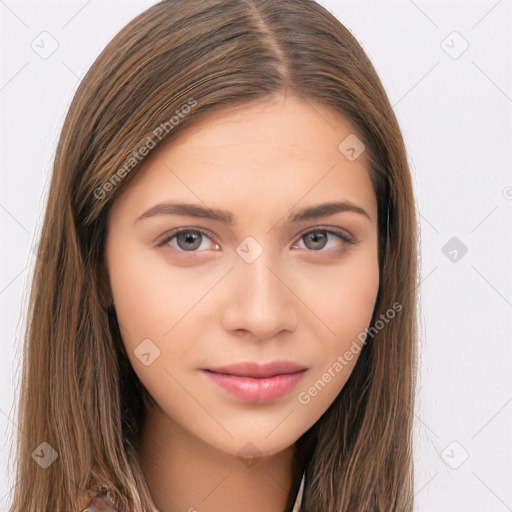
x,y
216,214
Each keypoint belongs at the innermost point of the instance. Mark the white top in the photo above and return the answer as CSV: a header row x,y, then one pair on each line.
x,y
298,500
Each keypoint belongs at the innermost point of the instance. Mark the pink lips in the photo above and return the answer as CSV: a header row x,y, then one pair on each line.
x,y
257,382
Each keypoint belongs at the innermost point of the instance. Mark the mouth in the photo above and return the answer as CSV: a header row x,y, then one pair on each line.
x,y
253,382
259,370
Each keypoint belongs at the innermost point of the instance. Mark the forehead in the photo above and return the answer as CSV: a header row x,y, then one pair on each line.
x,y
261,155
283,127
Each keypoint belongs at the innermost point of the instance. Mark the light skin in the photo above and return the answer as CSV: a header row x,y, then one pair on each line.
x,y
303,299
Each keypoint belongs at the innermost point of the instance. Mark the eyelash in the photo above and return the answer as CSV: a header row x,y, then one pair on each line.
x,y
172,234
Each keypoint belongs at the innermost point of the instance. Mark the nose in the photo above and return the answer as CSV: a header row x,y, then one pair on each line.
x,y
259,300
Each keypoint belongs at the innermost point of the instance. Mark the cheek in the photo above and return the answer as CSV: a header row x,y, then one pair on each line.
x,y
343,297
148,299
150,305
154,301
344,300
138,303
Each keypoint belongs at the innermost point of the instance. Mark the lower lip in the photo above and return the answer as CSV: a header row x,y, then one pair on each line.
x,y
251,389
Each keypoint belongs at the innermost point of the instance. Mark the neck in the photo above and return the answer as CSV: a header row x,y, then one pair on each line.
x,y
184,473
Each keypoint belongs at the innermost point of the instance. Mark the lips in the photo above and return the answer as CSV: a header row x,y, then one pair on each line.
x,y
258,370
255,381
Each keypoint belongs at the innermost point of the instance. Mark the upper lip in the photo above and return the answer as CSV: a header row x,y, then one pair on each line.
x,y
259,370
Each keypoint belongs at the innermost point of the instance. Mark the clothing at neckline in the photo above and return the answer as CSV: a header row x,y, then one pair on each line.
x,y
298,499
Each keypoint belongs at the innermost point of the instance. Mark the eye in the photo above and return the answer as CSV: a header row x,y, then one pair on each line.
x,y
317,239
188,240
192,239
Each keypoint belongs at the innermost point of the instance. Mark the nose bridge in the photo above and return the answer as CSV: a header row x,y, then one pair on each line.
x,y
255,258
260,283
261,302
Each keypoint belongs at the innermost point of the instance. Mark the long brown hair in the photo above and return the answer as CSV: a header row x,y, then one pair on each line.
x,y
168,67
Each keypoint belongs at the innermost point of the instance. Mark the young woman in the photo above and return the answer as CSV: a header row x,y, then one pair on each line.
x,y
223,311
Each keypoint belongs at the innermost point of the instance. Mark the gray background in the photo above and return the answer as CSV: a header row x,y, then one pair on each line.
x,y
454,106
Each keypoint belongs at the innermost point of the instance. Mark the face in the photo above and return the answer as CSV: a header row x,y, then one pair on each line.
x,y
238,268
